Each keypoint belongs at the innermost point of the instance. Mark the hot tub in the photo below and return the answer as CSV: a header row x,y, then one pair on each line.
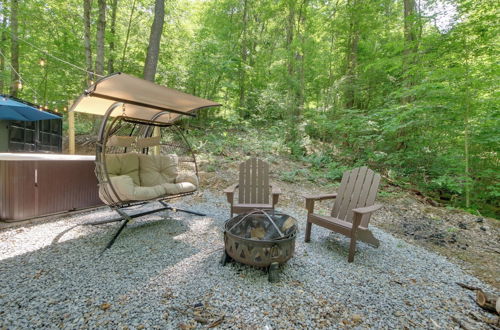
x,y
33,185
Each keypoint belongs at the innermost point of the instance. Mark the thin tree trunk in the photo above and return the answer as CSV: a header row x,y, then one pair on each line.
x,y
111,55
154,41
99,58
352,56
409,55
14,48
466,129
293,102
101,28
87,7
122,64
299,57
290,35
411,47
3,42
243,61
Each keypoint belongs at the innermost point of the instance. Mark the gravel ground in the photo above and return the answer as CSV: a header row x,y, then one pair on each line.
x,y
166,274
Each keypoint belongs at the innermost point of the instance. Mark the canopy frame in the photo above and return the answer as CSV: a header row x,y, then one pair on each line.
x,y
141,96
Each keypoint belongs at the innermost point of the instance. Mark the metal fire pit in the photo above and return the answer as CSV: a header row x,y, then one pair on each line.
x,y
260,239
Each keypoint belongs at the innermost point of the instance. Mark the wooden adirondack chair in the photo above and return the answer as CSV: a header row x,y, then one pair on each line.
x,y
352,209
254,189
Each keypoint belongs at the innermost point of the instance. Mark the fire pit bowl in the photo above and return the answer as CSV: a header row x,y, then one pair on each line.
x,y
261,239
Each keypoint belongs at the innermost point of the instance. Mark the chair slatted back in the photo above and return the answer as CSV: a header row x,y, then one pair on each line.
x,y
254,182
358,188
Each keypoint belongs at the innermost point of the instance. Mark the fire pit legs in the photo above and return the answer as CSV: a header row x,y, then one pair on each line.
x,y
274,274
273,271
225,258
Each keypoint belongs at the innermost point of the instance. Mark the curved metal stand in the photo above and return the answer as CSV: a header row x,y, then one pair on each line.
x,y
126,218
108,191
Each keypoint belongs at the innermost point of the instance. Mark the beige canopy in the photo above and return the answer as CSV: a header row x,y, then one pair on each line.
x,y
141,99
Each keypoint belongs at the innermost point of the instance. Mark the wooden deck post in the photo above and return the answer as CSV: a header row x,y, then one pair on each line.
x,y
156,132
71,130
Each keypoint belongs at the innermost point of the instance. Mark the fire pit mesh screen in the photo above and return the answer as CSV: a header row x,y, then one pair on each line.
x,y
259,238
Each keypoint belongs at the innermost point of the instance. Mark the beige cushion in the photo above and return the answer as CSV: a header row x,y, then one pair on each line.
x,y
137,177
148,142
124,164
186,177
157,169
121,141
179,188
126,190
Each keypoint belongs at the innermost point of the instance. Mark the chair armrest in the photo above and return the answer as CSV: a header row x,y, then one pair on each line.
x,y
367,209
312,198
320,197
229,191
231,188
275,192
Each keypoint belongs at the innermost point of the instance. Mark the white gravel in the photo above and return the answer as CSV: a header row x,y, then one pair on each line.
x,y
163,265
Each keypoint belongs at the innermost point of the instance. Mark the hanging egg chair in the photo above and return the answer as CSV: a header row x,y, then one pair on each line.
x,y
141,154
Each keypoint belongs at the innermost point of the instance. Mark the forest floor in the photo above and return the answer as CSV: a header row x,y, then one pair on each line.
x,y
167,274
471,241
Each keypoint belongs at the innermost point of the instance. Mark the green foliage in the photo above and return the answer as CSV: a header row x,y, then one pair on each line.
x,y
334,84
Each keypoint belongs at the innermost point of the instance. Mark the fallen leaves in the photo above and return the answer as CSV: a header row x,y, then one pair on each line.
x,y
105,306
216,323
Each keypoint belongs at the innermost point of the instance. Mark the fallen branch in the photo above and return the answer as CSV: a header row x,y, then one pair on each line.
x,y
492,323
216,323
488,301
463,325
484,300
468,287
492,249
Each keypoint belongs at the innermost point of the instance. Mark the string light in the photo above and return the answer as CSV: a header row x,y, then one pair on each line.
x,y
42,62
19,85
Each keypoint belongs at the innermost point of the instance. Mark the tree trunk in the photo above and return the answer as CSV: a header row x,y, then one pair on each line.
x,y
154,52
99,58
101,28
352,55
3,41
87,7
14,49
467,116
127,37
411,46
154,41
243,61
111,55
295,78
299,58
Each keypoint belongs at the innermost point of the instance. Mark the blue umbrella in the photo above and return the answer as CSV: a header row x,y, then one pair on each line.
x,y
13,110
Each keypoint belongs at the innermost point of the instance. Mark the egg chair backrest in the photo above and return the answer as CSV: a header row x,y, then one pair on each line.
x,y
138,161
